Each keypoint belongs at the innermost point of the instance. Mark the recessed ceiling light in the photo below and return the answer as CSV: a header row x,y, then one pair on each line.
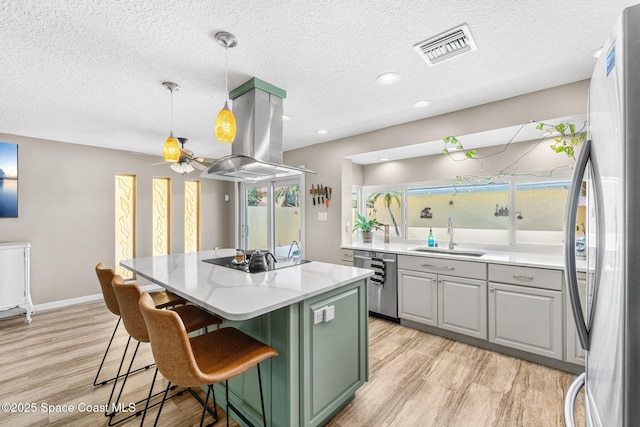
x,y
388,78
322,132
285,117
421,104
384,159
596,53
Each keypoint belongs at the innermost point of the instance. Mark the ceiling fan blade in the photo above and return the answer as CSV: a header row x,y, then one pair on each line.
x,y
198,165
159,163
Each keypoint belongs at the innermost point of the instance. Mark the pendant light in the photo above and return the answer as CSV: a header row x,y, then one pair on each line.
x,y
171,146
226,121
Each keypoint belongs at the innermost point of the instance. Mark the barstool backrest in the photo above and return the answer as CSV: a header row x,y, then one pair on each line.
x,y
105,276
128,295
170,344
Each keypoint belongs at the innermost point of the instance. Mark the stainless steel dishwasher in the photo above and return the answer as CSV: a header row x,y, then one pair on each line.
x,y
382,287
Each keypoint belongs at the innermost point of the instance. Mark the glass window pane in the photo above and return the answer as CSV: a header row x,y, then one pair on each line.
x,y
125,210
191,216
287,220
540,209
160,216
480,213
256,218
386,207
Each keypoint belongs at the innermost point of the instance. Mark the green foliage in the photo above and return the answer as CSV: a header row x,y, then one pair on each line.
x,y
388,198
254,196
567,140
453,141
366,225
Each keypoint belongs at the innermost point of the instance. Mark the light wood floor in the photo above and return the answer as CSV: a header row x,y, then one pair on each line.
x,y
416,379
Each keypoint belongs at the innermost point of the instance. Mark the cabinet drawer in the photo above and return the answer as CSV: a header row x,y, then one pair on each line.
x,y
526,276
450,267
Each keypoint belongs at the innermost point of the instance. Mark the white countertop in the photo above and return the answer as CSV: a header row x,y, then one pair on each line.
x,y
236,295
552,259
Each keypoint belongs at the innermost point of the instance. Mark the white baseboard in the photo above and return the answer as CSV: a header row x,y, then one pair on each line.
x,y
68,302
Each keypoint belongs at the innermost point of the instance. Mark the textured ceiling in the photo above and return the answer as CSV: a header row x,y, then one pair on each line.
x,y
91,72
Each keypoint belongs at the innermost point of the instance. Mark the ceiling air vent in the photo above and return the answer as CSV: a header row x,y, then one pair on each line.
x,y
446,45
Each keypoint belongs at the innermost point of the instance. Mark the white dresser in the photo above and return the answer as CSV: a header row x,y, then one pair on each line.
x,y
14,278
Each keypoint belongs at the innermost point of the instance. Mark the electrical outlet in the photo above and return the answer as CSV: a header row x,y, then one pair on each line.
x,y
318,316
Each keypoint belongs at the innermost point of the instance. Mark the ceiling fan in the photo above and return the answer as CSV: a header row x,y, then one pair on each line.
x,y
187,162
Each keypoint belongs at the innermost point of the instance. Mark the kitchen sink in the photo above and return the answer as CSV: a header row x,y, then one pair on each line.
x,y
438,250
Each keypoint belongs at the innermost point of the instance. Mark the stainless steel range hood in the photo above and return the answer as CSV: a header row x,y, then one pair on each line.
x,y
256,153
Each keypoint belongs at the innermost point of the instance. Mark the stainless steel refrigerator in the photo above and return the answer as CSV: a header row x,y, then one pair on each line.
x,y
609,163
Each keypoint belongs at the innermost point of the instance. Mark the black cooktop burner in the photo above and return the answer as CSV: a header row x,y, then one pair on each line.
x,y
283,262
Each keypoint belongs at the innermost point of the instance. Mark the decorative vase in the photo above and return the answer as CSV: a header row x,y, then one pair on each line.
x,y
367,236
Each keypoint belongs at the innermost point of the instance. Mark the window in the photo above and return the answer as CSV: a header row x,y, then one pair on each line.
x,y
160,218
272,217
540,208
286,199
524,209
191,216
256,217
480,212
125,211
386,206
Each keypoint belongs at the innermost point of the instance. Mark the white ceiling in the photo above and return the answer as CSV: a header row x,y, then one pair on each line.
x,y
91,72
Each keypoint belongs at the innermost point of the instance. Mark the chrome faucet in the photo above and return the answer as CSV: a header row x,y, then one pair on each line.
x,y
450,233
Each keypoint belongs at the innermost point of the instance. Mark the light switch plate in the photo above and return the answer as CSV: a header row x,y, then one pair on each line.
x,y
318,316
329,313
322,216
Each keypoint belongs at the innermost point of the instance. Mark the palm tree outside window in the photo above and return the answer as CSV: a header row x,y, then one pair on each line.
x,y
386,206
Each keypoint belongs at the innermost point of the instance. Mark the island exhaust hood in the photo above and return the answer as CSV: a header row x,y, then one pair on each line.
x,y
256,153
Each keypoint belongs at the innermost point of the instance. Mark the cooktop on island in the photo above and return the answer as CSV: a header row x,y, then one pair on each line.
x,y
282,262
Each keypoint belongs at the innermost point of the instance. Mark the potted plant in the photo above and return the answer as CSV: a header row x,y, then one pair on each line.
x,y
367,226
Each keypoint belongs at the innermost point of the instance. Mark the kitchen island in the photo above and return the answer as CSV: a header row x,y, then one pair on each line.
x,y
313,314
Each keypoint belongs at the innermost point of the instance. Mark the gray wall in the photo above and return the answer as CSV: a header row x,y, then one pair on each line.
x,y
323,239
66,190
66,212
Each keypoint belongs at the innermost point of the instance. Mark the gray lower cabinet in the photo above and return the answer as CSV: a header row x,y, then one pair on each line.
x,y
526,309
418,296
462,305
447,301
575,352
525,318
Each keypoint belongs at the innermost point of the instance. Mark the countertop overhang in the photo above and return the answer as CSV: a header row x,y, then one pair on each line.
x,y
236,295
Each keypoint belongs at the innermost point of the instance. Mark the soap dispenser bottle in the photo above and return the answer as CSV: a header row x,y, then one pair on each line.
x,y
430,240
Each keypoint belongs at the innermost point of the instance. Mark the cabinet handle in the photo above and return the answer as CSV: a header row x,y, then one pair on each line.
x,y
438,267
492,289
522,277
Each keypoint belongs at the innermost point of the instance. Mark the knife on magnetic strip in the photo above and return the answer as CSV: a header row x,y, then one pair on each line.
x,y
313,195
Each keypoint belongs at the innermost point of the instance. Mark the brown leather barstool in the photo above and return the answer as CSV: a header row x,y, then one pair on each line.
x,y
202,360
160,298
128,294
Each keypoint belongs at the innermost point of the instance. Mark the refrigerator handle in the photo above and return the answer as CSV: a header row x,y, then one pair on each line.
x,y
570,400
569,244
